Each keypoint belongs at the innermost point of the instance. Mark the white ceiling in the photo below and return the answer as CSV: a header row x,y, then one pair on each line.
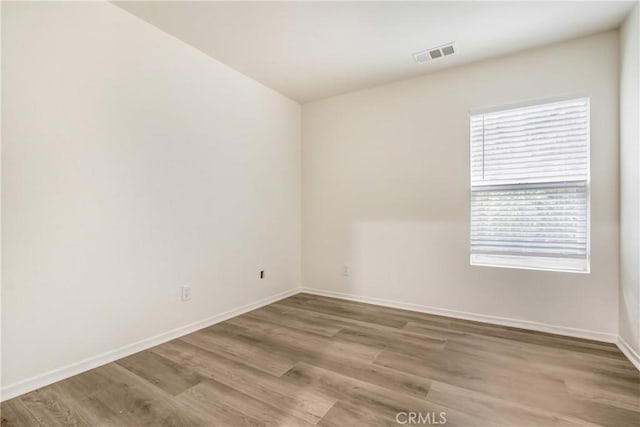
x,y
313,50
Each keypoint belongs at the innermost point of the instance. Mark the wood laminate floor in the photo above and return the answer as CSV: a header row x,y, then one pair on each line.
x,y
312,360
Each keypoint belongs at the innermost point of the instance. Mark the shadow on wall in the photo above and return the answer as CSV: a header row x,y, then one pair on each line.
x,y
403,256
400,255
426,263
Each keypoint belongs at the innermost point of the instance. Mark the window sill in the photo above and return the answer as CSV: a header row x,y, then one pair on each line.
x,y
567,265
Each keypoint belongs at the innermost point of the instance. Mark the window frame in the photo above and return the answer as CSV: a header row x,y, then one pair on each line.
x,y
532,262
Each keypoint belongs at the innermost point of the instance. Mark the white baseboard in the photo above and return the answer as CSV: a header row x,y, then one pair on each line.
x,y
503,321
628,351
33,383
59,374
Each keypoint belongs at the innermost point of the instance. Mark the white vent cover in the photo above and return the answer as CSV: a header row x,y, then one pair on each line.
x,y
421,57
434,53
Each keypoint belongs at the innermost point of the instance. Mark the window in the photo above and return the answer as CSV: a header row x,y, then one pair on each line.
x,y
530,187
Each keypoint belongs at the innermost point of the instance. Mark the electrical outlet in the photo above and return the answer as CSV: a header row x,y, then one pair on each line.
x,y
185,293
345,270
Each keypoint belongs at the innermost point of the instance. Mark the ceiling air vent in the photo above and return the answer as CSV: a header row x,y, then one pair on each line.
x,y
421,57
433,53
448,50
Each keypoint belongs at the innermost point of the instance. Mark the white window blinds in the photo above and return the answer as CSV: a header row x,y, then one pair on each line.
x,y
530,186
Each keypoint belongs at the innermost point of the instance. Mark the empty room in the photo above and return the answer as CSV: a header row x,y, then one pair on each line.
x,y
299,213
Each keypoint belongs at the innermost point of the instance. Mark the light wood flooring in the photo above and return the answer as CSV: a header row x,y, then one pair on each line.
x,y
312,360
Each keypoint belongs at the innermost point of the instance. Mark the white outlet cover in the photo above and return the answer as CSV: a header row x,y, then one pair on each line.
x,y
185,293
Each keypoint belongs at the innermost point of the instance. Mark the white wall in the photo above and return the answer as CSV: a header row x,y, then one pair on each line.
x,y
630,184
132,164
386,190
